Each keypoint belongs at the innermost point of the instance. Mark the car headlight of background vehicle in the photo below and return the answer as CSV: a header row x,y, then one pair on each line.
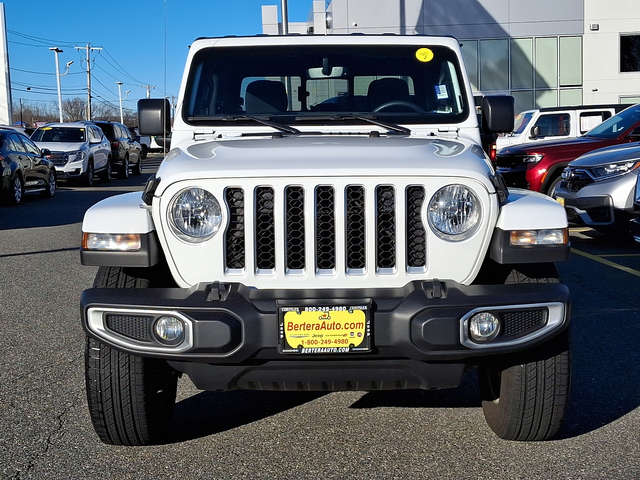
x,y
532,158
77,156
609,170
195,215
454,212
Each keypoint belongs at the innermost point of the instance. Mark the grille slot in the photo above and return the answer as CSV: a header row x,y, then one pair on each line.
x,y
385,227
356,233
265,229
325,229
235,234
295,231
416,234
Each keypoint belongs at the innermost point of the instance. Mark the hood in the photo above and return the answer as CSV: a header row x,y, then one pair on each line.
x,y
325,155
616,153
61,146
568,143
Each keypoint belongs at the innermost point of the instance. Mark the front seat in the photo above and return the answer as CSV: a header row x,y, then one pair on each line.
x,y
386,90
266,96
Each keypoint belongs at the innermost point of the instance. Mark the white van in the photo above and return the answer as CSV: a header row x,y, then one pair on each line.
x,y
555,123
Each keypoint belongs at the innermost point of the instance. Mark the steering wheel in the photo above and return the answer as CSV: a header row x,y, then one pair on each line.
x,y
399,103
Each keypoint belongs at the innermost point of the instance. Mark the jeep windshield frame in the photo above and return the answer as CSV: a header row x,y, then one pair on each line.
x,y
326,84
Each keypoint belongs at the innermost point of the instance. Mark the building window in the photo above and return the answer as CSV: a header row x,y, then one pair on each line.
x,y
630,53
494,65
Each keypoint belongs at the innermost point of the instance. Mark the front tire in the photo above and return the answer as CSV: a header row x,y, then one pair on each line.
x,y
131,399
124,171
107,173
50,191
90,174
551,190
526,400
16,190
137,168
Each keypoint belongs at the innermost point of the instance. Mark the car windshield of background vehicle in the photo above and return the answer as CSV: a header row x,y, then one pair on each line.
x,y
521,122
59,134
403,84
616,125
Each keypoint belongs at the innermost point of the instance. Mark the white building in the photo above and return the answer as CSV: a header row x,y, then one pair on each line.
x,y
544,53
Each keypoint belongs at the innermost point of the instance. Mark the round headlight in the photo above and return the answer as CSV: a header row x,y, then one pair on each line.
x,y
454,212
195,215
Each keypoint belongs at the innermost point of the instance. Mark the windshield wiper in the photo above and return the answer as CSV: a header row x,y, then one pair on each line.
x,y
262,121
369,119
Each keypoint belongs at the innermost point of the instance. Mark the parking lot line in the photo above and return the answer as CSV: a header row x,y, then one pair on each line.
x,y
609,263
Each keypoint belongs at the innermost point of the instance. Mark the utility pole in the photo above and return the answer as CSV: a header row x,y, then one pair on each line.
x,y
89,49
149,88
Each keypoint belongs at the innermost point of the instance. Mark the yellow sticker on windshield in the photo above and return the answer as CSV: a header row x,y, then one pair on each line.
x,y
424,54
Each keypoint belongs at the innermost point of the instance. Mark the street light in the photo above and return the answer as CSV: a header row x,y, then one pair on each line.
x,y
56,50
121,99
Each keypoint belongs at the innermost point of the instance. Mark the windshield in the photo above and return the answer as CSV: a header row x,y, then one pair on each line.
x,y
617,125
405,84
59,134
521,122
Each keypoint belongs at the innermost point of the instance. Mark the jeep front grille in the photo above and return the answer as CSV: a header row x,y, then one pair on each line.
x,y
333,246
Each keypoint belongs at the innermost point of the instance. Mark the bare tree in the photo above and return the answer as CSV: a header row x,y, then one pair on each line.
x,y
74,109
32,112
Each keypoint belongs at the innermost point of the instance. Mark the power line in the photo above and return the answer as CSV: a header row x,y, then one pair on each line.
x,y
44,41
119,68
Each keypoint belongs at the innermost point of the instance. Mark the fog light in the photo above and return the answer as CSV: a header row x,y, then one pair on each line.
x,y
484,326
169,330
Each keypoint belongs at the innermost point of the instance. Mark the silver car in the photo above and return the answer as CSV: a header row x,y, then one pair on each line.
x,y
78,150
597,189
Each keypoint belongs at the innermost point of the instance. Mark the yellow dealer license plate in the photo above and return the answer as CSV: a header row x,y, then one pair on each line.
x,y
326,329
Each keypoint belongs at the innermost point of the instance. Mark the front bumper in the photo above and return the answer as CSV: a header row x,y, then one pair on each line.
x,y
419,332
70,170
600,203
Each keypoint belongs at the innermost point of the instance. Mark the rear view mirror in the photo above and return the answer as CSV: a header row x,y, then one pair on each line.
x,y
498,114
154,116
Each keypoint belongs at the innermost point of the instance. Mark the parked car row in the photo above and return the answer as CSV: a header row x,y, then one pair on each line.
x,y
594,176
65,151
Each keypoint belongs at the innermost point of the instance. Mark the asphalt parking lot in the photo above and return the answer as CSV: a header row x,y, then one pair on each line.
x,y
46,431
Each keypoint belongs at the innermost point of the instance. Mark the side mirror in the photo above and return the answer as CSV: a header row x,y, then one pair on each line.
x,y
154,116
45,152
498,114
535,132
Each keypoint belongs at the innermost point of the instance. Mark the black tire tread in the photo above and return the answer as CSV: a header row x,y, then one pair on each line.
x,y
526,401
131,399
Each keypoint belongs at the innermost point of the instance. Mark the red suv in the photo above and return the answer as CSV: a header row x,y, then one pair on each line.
x,y
539,166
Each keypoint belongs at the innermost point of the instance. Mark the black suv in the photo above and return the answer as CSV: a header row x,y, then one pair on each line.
x,y
126,153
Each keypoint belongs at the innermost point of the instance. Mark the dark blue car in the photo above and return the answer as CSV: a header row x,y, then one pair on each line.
x,y
23,168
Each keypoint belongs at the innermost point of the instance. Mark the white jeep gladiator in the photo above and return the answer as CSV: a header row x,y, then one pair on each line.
x,y
325,220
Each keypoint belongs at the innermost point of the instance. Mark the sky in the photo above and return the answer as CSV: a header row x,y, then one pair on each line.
x,y
137,42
